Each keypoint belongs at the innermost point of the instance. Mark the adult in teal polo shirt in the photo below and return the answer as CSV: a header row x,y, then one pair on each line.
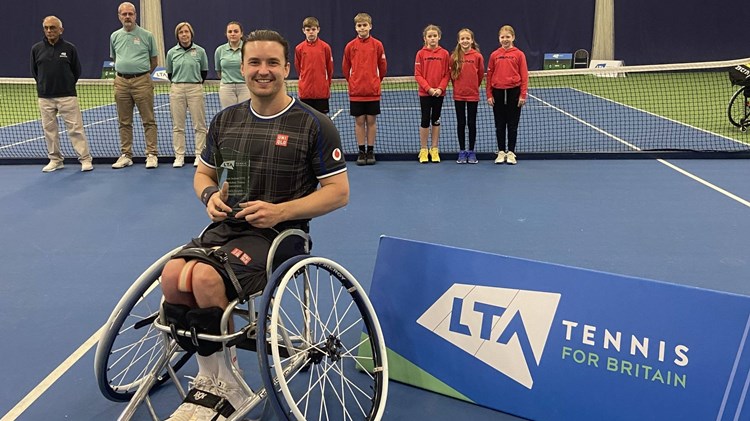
x,y
134,52
187,67
227,60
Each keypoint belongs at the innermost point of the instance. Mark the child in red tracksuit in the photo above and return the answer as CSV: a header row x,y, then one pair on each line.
x,y
467,72
364,68
313,61
432,72
507,86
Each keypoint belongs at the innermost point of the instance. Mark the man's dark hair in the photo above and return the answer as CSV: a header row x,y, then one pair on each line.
x,y
267,35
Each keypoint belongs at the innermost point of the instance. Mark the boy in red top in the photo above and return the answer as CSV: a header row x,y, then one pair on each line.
x,y
507,86
313,62
432,72
467,72
364,68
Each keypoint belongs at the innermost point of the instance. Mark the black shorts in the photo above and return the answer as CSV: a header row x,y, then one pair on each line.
x,y
247,248
318,104
358,108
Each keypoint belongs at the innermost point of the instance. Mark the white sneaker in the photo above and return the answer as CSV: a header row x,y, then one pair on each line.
x,y
179,161
86,166
152,161
189,411
195,162
53,166
500,158
232,393
511,158
122,162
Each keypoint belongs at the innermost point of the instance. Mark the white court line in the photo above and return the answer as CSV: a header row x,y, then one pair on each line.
x,y
48,381
52,377
66,130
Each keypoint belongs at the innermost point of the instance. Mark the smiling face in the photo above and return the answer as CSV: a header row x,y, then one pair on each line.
x,y
465,40
265,68
506,39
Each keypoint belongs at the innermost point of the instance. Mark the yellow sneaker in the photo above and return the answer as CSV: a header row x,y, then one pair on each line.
x,y
423,156
435,155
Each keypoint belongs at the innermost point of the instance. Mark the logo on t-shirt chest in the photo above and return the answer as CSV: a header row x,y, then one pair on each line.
x,y
282,139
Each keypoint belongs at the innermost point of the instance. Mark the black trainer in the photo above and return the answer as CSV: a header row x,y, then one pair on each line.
x,y
370,158
361,158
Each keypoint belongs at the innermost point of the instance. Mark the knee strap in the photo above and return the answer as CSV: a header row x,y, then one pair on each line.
x,y
185,282
175,316
205,320
214,257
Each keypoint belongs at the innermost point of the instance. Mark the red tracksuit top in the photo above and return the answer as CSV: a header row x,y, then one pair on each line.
x,y
314,64
466,85
432,69
364,68
507,69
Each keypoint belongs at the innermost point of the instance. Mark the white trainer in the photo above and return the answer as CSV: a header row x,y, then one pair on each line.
x,y
53,166
511,158
152,161
122,162
179,161
190,411
500,158
86,166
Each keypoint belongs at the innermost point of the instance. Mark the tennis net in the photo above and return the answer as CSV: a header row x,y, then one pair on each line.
x,y
625,110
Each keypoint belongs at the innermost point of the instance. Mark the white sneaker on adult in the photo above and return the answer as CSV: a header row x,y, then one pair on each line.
x,y
152,161
195,161
179,161
86,166
189,411
122,162
500,158
511,158
53,166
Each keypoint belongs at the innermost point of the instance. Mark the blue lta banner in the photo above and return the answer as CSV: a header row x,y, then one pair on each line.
x,y
551,342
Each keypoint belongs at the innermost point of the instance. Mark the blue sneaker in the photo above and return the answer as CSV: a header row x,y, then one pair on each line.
x,y
462,157
472,157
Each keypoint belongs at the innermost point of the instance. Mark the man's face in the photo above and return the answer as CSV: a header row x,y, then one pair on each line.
x,y
311,33
52,30
126,14
265,68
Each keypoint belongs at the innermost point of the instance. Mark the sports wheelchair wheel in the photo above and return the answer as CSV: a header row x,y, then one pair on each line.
x,y
320,347
739,108
129,345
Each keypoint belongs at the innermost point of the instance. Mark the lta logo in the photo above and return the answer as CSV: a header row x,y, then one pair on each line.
x,y
504,328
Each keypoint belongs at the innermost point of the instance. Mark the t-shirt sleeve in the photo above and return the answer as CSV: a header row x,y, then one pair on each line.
x,y
328,158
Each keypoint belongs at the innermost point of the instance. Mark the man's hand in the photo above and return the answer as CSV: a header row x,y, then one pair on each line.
x,y
216,207
260,214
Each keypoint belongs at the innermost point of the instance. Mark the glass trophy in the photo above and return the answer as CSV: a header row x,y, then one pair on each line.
x,y
236,172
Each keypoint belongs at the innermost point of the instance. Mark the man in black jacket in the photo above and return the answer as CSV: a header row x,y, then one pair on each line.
x,y
56,69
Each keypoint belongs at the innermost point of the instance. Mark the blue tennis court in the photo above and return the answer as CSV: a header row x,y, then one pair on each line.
x,y
75,241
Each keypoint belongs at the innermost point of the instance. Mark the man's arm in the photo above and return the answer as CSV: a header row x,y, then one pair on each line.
x,y
154,63
332,194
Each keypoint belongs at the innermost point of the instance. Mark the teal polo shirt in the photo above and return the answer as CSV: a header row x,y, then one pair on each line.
x,y
185,65
132,51
228,61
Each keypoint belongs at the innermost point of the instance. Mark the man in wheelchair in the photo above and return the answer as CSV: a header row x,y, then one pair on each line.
x,y
259,174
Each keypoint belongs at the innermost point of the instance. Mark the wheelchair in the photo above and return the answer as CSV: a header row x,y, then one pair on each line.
x,y
319,345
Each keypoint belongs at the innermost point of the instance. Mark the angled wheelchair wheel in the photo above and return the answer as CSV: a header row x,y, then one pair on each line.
x,y
320,347
129,346
739,108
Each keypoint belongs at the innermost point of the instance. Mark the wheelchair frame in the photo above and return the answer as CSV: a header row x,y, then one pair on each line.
x,y
288,355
